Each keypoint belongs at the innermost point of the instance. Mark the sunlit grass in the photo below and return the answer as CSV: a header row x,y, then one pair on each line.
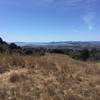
x,y
49,77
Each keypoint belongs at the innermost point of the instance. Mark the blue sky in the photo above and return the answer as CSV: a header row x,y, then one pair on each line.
x,y
50,20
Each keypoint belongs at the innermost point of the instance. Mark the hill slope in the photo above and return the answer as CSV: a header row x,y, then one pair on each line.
x,y
51,77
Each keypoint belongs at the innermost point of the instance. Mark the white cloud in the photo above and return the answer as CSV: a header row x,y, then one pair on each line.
x,y
89,20
71,2
90,13
87,8
76,31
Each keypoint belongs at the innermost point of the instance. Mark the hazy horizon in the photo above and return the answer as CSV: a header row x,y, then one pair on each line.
x,y
49,20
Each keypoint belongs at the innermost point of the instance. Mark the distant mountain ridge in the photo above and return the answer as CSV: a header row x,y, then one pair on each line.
x,y
63,44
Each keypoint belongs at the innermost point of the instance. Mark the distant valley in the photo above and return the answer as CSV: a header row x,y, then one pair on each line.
x,y
61,45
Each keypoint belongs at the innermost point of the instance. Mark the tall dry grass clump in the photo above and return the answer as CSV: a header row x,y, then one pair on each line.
x,y
49,77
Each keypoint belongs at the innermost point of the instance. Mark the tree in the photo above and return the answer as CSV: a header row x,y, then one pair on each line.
x,y
13,46
85,54
28,51
1,41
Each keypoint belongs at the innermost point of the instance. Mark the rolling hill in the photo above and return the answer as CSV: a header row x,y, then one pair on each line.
x,y
49,77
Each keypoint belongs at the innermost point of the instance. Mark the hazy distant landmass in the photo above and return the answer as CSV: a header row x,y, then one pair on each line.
x,y
61,45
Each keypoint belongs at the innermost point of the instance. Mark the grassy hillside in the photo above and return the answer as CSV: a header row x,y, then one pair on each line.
x,y
49,77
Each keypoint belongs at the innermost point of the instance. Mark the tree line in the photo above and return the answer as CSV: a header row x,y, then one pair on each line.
x,y
12,48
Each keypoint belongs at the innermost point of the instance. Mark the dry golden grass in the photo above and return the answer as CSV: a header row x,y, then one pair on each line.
x,y
50,77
